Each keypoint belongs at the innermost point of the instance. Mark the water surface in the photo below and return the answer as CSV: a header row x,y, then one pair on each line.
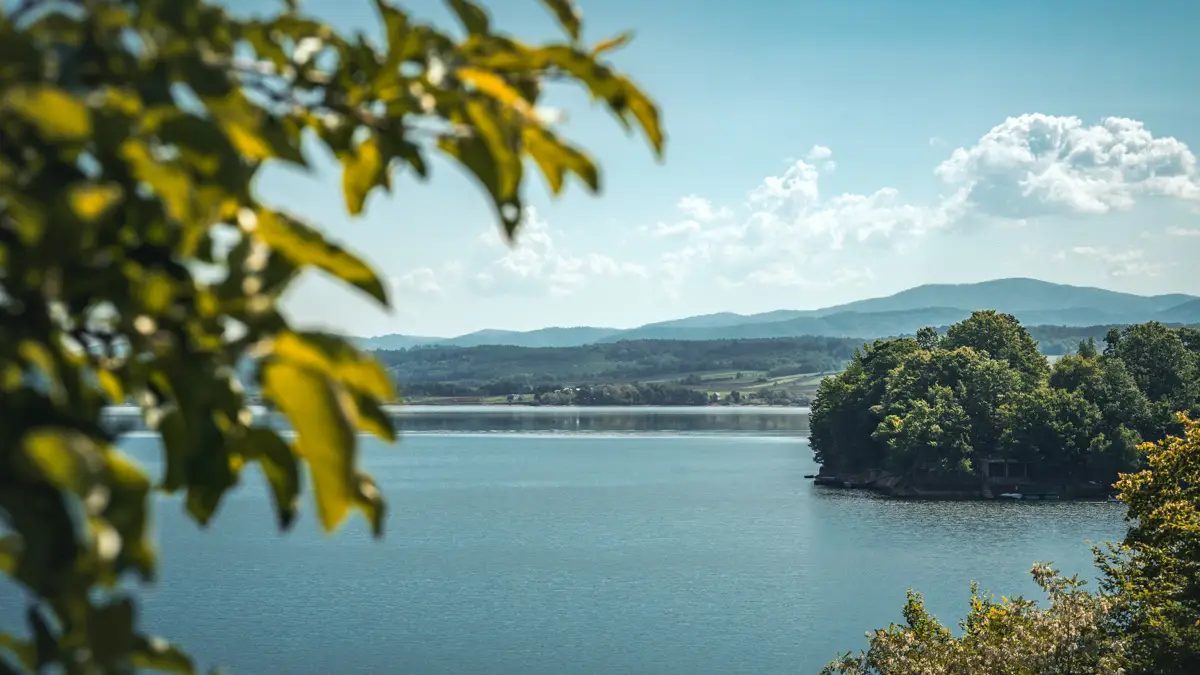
x,y
631,549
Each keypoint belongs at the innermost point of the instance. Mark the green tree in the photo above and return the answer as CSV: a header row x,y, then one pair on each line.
x,y
928,338
137,263
1054,428
1154,575
933,435
847,408
1012,636
1106,382
1001,337
1145,620
1157,358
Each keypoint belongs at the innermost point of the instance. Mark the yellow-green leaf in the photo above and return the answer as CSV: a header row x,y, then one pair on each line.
x,y
371,418
57,115
491,158
325,438
647,115
37,355
90,201
337,359
363,170
494,86
612,43
64,458
167,180
129,490
555,158
304,246
568,15
111,384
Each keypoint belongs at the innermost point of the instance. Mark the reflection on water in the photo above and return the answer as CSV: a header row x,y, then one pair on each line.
x,y
515,419
525,419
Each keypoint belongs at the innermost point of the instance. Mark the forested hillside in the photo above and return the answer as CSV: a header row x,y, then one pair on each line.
x,y
503,369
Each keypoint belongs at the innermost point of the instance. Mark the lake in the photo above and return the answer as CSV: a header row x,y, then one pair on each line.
x,y
539,541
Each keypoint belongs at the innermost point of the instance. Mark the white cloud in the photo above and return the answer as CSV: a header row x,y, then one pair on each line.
x,y
1028,166
1042,164
538,265
1131,263
422,280
818,153
785,220
701,209
1183,232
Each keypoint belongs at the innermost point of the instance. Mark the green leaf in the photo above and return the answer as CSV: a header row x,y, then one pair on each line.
x,y
168,181
67,459
647,115
364,169
110,631
281,468
304,246
555,158
255,134
324,435
90,201
490,156
337,359
157,654
372,419
10,554
57,116
127,512
568,15
473,17
178,446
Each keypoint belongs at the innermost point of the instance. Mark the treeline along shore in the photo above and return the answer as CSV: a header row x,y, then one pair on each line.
x,y
766,371
979,412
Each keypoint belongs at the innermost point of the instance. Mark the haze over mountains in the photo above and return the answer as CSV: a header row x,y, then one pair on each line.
x,y
1035,303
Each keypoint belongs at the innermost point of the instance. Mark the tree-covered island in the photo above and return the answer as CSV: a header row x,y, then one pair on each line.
x,y
979,412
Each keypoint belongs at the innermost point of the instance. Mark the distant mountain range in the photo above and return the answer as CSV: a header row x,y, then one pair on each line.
x,y
1035,303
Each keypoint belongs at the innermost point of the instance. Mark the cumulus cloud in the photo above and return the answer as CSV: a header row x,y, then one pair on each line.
x,y
1131,263
786,219
1028,166
1039,164
539,265
421,280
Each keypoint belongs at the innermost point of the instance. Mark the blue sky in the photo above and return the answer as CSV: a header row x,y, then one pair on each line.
x,y
819,152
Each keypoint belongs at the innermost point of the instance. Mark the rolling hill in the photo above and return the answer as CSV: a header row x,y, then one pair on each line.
x,y
1035,303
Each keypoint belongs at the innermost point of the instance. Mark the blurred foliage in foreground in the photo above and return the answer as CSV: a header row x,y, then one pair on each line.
x,y
136,262
1144,620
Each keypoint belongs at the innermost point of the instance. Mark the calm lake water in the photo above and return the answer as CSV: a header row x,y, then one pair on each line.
x,y
589,541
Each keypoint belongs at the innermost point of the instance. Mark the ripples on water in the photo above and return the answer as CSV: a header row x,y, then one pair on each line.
x,y
660,541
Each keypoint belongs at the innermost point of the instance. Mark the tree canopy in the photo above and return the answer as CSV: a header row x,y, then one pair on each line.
x,y
938,405
138,263
1143,620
